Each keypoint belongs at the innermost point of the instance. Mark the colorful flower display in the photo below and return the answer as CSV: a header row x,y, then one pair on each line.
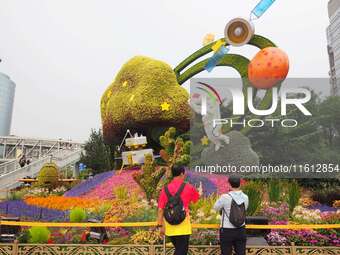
x,y
105,189
276,212
303,238
89,184
309,216
111,197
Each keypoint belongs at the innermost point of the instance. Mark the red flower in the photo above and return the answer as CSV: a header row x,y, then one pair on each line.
x,y
84,236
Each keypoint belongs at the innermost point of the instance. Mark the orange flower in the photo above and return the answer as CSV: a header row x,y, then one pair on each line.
x,y
64,203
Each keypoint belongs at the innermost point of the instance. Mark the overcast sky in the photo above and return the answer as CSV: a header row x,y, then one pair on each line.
x,y
62,54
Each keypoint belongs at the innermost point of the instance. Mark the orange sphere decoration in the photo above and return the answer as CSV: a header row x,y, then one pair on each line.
x,y
268,67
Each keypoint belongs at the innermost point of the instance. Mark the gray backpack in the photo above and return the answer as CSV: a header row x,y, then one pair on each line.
x,y
237,215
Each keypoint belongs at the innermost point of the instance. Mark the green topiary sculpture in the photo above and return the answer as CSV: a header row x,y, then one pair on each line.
x,y
176,150
149,177
133,101
49,176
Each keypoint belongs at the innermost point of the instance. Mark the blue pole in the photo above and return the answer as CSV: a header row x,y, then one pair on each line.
x,y
262,7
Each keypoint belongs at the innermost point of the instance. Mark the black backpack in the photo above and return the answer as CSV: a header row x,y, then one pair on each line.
x,y
237,215
174,211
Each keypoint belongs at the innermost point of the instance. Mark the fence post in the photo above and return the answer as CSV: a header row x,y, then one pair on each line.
x,y
164,245
293,249
15,247
152,250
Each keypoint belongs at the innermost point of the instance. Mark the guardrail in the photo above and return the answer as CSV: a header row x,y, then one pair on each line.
x,y
10,178
154,224
78,249
8,166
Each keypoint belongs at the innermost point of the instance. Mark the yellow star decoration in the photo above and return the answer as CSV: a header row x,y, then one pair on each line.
x,y
165,106
109,93
205,140
125,83
131,98
217,45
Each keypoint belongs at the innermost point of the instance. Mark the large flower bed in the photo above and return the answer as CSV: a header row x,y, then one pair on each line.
x,y
303,215
111,197
105,189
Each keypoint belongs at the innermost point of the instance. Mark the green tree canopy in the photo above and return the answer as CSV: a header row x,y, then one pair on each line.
x,y
97,154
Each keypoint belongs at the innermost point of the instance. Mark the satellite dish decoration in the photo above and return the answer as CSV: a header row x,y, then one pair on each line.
x,y
237,32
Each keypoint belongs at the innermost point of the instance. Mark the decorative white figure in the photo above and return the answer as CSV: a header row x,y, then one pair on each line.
x,y
211,111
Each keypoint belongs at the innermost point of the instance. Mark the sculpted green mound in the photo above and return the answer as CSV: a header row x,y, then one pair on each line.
x,y
133,101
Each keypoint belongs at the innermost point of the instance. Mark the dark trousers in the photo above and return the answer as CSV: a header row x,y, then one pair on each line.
x,y
233,237
181,244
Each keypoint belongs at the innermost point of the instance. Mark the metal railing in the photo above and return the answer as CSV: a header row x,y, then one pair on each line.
x,y
124,249
33,147
12,172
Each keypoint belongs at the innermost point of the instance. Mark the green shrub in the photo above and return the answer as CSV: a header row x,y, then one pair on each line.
x,y
83,175
39,235
16,195
121,193
294,195
77,215
254,192
146,214
274,190
100,212
24,236
49,176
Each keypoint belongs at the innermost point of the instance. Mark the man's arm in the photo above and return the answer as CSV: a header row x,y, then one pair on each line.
x,y
160,217
219,204
194,195
246,203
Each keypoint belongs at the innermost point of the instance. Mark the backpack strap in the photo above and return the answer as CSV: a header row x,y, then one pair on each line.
x,y
167,192
178,193
224,212
228,194
180,190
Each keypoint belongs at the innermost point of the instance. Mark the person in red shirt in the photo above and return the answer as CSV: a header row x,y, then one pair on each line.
x,y
179,234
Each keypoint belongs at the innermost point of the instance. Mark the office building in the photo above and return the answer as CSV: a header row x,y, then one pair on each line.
x,y
7,91
333,38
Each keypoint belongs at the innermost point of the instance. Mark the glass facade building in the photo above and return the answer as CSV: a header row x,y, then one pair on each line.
x,y
7,91
333,38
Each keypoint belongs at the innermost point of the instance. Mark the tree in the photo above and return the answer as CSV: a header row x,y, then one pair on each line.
x,y
329,119
98,155
282,145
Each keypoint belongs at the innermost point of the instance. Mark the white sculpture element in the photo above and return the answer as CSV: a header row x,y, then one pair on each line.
x,y
214,134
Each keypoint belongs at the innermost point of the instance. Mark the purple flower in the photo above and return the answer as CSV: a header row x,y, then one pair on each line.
x,y
18,208
322,208
196,179
88,185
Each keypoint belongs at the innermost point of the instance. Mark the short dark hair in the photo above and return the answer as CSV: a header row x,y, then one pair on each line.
x,y
235,181
177,170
